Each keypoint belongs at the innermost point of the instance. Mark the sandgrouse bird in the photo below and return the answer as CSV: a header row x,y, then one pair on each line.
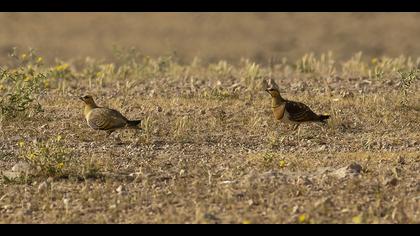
x,y
101,118
290,111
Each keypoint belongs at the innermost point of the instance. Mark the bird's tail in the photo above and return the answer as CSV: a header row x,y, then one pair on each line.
x,y
133,123
323,118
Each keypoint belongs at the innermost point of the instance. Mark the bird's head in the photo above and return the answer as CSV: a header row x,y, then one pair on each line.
x,y
273,88
87,99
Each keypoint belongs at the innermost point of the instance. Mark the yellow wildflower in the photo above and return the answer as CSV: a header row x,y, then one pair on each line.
x,y
21,144
246,222
62,67
303,218
282,163
357,219
374,60
60,165
24,56
31,156
100,74
39,59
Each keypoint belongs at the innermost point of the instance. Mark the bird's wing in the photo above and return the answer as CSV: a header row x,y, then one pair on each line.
x,y
299,112
106,119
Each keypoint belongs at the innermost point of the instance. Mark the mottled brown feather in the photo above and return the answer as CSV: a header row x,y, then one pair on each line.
x,y
299,112
106,119
101,118
290,110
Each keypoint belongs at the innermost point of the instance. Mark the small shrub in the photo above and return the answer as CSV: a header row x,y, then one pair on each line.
x,y
51,158
20,89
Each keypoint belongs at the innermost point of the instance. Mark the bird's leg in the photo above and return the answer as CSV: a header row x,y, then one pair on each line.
x,y
282,132
298,134
324,126
296,127
284,136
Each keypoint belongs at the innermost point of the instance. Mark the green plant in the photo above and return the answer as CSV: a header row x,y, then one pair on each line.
x,y
50,157
61,71
29,57
20,89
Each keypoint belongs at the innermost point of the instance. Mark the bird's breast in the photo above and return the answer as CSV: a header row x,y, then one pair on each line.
x,y
87,115
279,112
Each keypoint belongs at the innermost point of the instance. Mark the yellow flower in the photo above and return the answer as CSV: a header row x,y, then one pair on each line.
x,y
303,218
27,78
21,144
60,165
31,156
246,222
282,163
62,67
100,74
39,59
24,56
58,138
374,60
46,83
357,219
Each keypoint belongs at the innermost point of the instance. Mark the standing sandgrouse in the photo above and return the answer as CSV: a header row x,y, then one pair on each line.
x,y
101,118
290,111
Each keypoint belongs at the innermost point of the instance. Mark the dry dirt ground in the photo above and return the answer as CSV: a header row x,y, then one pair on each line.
x,y
211,152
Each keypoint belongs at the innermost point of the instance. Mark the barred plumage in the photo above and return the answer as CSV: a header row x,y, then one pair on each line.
x,y
291,111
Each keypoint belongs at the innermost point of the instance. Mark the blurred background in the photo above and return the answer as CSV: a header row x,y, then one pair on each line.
x,y
212,36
